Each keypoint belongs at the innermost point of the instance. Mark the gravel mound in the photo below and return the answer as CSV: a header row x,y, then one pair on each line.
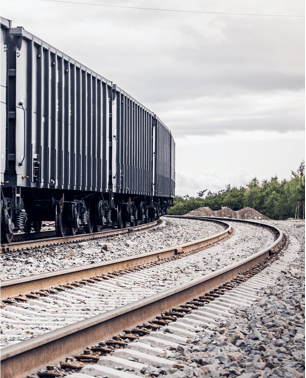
x,y
226,212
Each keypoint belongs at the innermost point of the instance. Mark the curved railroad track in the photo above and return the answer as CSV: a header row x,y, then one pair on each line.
x,y
13,290
25,242
26,356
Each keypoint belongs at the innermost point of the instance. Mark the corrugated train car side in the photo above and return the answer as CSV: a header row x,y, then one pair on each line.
x,y
4,36
75,148
132,145
60,110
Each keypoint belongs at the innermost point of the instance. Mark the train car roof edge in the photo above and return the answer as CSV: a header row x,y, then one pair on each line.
x,y
115,86
139,103
19,31
6,23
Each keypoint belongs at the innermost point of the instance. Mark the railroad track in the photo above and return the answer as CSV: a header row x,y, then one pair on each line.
x,y
29,355
152,346
33,284
30,241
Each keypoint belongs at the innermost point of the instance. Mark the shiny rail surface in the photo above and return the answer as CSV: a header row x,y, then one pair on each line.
x,y
24,357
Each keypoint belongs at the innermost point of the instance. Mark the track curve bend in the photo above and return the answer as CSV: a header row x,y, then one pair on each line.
x,y
31,354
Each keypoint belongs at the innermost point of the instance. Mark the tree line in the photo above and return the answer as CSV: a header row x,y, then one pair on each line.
x,y
276,200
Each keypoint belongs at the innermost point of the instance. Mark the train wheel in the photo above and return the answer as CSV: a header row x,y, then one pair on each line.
x,y
124,222
123,215
72,230
7,238
142,212
89,227
60,221
119,219
157,213
37,226
27,226
146,216
99,216
98,227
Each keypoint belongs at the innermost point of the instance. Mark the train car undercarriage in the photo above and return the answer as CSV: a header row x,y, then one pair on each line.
x,y
74,211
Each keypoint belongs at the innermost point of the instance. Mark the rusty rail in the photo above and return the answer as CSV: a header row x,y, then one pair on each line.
x,y
13,288
24,357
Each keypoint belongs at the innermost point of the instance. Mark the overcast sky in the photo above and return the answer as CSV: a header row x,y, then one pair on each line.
x,y
230,87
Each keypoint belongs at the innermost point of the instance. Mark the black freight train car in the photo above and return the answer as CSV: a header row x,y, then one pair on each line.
x,y
75,148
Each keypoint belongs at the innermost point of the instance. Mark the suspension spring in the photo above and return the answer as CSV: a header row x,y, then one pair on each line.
x,y
108,216
20,219
84,217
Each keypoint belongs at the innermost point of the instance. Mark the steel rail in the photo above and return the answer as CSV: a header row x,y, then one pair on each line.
x,y
24,357
47,242
18,238
25,285
252,222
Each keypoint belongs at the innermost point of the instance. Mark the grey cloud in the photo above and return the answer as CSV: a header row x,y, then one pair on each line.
x,y
218,128
176,87
190,70
203,75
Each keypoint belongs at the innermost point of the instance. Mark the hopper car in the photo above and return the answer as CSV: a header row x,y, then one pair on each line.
x,y
75,148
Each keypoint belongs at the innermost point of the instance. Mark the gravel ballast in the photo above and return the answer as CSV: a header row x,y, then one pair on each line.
x,y
76,304
170,233
266,339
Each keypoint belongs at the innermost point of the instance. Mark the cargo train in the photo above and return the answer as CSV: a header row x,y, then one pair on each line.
x,y
75,148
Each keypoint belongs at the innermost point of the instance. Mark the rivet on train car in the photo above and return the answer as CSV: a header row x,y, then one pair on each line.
x,y
66,69
38,56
